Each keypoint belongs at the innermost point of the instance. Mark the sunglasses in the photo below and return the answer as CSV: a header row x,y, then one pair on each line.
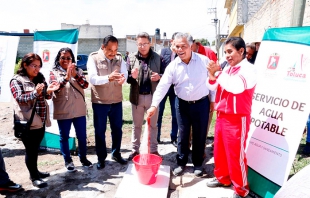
x,y
65,58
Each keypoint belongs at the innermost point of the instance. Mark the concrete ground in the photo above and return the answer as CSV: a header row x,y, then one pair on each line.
x,y
93,183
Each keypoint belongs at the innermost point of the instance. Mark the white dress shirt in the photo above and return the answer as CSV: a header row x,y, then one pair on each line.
x,y
94,78
190,80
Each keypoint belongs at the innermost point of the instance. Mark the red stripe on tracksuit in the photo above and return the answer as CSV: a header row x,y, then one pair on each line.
x,y
229,151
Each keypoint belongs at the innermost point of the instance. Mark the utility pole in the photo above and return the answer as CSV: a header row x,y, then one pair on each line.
x,y
215,20
298,13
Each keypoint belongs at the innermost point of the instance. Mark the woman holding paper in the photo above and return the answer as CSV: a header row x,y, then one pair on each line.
x,y
235,87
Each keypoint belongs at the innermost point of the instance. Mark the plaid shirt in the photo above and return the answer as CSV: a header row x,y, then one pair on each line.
x,y
80,79
21,97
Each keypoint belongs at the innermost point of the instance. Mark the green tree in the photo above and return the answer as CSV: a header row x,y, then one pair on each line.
x,y
203,42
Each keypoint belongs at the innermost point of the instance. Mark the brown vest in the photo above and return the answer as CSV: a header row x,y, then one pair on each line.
x,y
110,92
23,110
68,102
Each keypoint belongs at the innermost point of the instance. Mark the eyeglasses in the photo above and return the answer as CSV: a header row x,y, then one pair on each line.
x,y
35,66
65,58
143,44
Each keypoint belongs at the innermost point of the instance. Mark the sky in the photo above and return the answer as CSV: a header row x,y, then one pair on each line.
x,y
127,17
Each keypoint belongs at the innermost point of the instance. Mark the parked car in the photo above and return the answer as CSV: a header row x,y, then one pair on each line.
x,y
82,61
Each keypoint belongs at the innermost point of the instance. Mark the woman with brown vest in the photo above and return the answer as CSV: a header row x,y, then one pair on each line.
x,y
29,88
69,105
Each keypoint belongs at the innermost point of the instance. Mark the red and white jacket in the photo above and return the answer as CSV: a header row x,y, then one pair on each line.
x,y
235,87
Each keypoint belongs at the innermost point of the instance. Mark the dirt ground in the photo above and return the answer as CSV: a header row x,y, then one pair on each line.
x,y
84,183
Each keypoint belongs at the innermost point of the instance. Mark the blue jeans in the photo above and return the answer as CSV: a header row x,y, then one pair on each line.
x,y
64,131
101,114
194,115
4,177
174,123
308,130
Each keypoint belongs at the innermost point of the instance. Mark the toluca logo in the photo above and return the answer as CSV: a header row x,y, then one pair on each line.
x,y
46,55
296,70
273,61
292,73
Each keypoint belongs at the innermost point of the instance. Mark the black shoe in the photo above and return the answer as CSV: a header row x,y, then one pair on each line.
x,y
306,150
174,143
10,187
70,167
119,159
39,183
215,183
179,170
100,165
86,163
132,155
43,174
198,171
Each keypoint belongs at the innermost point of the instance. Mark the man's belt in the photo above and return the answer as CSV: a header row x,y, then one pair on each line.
x,y
193,101
144,93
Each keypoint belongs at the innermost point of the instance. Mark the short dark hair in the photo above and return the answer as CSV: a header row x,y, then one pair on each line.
x,y
144,35
238,43
109,38
251,46
64,49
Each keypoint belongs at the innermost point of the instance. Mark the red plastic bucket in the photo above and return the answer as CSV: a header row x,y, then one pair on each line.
x,y
147,166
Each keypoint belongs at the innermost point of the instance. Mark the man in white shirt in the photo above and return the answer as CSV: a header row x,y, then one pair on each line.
x,y
188,74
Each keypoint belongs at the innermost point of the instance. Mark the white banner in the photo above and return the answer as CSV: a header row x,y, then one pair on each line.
x,y
46,45
8,51
280,108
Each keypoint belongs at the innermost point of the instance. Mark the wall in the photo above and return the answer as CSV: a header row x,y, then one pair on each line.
x,y
240,13
90,31
254,6
131,46
25,45
273,13
85,46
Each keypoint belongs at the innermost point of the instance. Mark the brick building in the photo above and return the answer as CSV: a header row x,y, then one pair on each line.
x,y
250,19
272,14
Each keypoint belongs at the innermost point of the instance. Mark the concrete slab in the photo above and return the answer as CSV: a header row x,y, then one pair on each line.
x,y
196,187
297,186
130,187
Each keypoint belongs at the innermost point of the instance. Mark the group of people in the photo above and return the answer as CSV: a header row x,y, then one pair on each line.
x,y
195,84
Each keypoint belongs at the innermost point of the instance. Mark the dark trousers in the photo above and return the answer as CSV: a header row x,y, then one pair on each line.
x,y
32,140
174,123
194,115
101,114
4,177
79,124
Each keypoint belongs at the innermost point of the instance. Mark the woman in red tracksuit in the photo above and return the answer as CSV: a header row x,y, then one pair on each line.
x,y
235,87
